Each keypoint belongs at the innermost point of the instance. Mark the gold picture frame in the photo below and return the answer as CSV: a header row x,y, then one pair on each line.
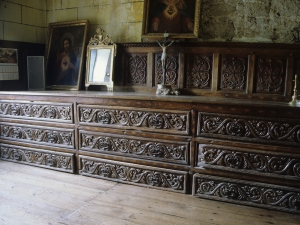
x,y
65,54
178,18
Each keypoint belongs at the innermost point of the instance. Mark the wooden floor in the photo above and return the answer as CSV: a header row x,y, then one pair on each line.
x,y
36,196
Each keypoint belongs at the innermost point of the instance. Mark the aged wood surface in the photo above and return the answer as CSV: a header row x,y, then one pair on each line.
x,y
30,195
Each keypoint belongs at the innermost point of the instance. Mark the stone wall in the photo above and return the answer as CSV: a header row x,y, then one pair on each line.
x,y
23,20
220,20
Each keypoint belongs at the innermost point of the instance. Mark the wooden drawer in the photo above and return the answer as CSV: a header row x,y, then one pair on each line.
x,y
251,161
153,120
247,193
38,135
134,146
147,176
249,128
52,112
36,157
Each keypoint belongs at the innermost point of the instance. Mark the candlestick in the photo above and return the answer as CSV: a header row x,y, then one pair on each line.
x,y
294,98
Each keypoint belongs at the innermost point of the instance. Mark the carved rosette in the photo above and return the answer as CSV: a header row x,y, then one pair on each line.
x,y
37,158
255,194
152,120
52,112
270,76
129,174
260,162
199,71
172,152
251,128
137,69
233,73
37,135
171,70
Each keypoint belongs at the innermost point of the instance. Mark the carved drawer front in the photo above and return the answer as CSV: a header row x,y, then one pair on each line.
x,y
249,161
247,128
164,121
59,112
41,158
247,193
38,135
153,149
134,174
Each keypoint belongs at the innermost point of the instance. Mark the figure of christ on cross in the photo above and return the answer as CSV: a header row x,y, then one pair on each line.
x,y
163,59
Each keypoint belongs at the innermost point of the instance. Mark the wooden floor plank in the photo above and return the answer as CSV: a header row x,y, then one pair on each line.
x,y
31,195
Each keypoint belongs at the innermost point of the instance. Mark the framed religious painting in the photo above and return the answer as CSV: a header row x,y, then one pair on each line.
x,y
65,54
177,18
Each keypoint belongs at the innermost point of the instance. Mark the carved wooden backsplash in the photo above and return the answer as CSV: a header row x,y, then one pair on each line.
x,y
240,70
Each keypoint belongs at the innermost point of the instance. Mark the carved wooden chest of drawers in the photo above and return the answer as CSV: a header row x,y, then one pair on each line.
x,y
237,151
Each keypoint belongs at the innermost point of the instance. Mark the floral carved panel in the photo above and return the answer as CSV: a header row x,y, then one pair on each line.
x,y
136,146
134,174
270,77
143,119
62,112
256,129
136,69
172,66
233,73
60,161
263,162
199,71
247,193
39,135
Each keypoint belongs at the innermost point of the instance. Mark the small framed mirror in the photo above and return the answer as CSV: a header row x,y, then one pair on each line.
x,y
100,61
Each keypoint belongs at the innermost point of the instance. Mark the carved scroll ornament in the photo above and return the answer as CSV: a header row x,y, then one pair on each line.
x,y
136,147
37,135
28,110
153,120
246,193
260,162
37,157
252,128
133,175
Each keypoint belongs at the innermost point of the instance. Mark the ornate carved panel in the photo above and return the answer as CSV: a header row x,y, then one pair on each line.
x,y
52,160
270,77
41,135
136,69
233,73
256,129
38,111
265,162
143,119
199,71
134,174
136,147
247,193
172,66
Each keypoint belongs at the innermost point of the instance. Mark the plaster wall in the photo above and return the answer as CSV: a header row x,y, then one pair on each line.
x,y
23,20
220,20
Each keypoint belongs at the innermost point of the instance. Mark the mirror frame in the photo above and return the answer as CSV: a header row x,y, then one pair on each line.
x,y
109,84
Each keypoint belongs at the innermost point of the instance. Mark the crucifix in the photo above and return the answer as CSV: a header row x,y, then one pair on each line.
x,y
164,47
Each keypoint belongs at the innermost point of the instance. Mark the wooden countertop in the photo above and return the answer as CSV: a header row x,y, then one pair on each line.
x,y
150,97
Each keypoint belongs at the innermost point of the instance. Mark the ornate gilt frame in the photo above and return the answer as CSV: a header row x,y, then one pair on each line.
x,y
58,32
149,4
